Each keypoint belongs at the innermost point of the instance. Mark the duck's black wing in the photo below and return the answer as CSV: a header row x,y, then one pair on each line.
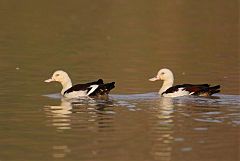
x,y
84,87
208,91
187,87
195,89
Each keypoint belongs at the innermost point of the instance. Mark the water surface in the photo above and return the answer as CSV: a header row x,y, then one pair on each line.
x,y
126,42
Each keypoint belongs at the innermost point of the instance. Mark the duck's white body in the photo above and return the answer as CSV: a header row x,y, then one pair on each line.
x,y
168,90
180,92
91,89
76,94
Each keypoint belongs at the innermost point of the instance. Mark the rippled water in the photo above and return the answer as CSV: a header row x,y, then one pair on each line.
x,y
125,127
126,42
141,127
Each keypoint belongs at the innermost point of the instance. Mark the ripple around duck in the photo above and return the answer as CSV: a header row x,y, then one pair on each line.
x,y
130,100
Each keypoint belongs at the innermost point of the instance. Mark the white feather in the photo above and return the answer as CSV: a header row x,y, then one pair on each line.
x,y
93,88
178,93
76,94
191,93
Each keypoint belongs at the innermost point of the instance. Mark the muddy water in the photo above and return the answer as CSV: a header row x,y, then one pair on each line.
x,y
126,42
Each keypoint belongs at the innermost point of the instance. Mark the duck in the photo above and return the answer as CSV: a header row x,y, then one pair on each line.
x,y
168,90
92,89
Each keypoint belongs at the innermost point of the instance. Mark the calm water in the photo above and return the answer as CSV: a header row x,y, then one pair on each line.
x,y
126,42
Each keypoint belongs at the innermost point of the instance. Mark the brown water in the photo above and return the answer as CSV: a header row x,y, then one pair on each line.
x,y
126,42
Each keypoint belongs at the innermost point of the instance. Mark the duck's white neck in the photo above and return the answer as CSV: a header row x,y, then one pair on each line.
x,y
166,84
66,84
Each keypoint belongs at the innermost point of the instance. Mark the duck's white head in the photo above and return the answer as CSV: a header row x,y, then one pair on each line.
x,y
163,74
166,76
63,78
58,76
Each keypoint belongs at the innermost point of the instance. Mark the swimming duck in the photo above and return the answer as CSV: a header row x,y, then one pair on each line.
x,y
92,89
168,90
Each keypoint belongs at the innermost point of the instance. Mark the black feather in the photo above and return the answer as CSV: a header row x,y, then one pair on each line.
x,y
83,87
187,87
195,89
208,91
103,89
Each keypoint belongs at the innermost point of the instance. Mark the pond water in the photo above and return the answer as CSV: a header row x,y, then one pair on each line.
x,y
126,42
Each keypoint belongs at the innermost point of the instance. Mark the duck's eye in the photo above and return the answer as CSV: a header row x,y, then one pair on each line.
x,y
57,75
162,73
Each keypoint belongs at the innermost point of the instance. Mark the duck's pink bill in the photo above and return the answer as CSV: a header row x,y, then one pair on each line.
x,y
49,80
153,79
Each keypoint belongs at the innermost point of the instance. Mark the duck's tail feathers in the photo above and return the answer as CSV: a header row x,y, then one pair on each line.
x,y
214,89
208,91
103,89
109,86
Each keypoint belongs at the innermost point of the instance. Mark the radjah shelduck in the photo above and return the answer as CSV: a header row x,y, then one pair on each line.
x,y
168,90
92,89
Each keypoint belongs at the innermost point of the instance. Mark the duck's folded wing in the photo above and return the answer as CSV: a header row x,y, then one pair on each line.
x,y
84,87
194,88
191,88
207,91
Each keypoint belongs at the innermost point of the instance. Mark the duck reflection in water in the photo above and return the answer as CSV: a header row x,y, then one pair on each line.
x,y
162,129
60,151
62,115
86,117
